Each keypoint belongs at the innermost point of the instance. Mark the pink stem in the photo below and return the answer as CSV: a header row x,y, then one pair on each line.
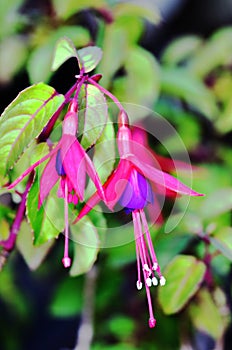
x,y
9,244
66,260
106,92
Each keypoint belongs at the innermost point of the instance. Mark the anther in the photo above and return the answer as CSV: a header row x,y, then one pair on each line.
x,y
148,282
146,268
162,281
155,281
66,261
155,266
139,285
152,322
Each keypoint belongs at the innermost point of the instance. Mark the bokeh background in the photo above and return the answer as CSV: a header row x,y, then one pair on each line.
x,y
175,58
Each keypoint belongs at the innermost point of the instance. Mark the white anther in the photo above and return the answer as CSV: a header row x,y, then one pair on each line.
x,y
162,281
155,266
147,269
155,281
139,285
148,282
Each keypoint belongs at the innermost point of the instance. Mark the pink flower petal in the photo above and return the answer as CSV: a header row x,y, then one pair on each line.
x,y
161,178
94,176
73,160
48,179
92,201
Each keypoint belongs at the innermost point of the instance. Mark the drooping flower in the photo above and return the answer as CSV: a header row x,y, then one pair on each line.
x,y
132,184
69,163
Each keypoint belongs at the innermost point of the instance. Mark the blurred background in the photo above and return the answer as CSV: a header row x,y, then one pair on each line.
x,y
175,58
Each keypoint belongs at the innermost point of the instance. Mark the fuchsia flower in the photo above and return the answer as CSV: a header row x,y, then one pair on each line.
x,y
133,184
68,162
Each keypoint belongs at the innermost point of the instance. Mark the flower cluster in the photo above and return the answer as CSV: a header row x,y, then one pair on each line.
x,y
134,184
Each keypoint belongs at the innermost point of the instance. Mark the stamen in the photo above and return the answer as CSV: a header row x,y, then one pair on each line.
x,y
155,266
154,281
66,260
162,281
148,282
139,285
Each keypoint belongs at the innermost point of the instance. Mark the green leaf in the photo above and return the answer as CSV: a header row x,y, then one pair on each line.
x,y
147,10
184,276
30,111
216,52
67,8
86,246
122,327
57,48
114,55
178,82
205,315
48,221
181,49
93,115
216,203
15,48
64,50
68,298
32,255
89,57
222,241
10,17
141,84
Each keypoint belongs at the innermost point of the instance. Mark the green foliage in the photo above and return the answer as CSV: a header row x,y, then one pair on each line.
x,y
184,275
31,109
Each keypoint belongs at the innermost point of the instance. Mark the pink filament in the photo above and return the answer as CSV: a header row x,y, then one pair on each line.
x,y
66,260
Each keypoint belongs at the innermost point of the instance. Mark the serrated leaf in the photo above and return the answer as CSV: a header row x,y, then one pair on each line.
x,y
205,315
48,221
184,275
24,119
93,115
222,241
58,47
67,299
89,57
64,50
65,9
216,203
178,82
86,246
32,255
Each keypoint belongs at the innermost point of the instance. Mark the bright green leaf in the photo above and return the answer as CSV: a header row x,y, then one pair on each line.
x,y
222,241
30,111
181,49
180,83
216,203
13,53
216,52
48,221
147,10
64,50
57,48
184,275
67,8
32,255
86,245
89,57
141,83
93,115
205,314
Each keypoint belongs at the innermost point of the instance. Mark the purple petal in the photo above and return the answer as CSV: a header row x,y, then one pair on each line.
x,y
161,178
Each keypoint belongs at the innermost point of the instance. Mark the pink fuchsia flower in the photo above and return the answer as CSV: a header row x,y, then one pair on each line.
x,y
132,184
69,163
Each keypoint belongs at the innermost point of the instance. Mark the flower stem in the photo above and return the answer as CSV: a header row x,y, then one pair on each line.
x,y
106,92
8,245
